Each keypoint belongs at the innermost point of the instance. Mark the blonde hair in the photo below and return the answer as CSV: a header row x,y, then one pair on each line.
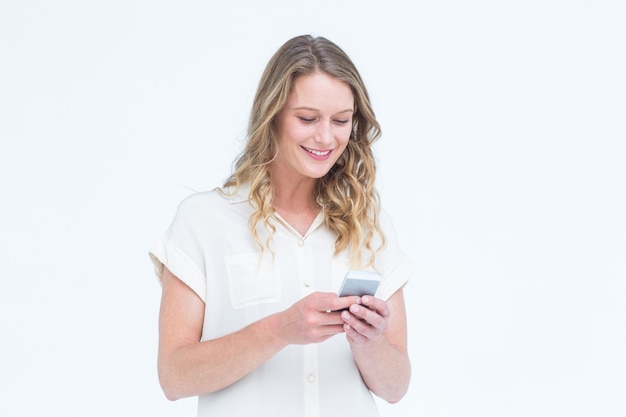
x,y
346,193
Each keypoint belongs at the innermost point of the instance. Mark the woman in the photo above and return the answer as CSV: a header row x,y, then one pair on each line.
x,y
250,271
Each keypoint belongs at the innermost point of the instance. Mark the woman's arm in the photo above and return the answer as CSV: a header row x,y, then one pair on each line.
x,y
188,367
377,334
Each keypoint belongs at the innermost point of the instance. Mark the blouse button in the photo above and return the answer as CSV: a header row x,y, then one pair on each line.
x,y
311,378
300,242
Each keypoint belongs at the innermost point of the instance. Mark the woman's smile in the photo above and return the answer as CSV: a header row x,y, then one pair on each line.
x,y
317,154
313,128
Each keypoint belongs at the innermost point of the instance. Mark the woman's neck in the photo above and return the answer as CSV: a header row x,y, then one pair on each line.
x,y
297,199
295,202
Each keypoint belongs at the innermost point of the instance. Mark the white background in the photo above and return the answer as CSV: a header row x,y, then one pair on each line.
x,y
502,163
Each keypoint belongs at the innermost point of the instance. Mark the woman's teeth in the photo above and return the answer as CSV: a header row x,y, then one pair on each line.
x,y
318,153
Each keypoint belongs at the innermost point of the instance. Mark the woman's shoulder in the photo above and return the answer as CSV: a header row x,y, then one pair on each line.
x,y
215,199
197,199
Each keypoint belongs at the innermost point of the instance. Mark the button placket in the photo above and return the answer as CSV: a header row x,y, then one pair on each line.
x,y
311,381
305,268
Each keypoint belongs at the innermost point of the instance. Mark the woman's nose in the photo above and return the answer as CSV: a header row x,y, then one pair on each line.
x,y
324,134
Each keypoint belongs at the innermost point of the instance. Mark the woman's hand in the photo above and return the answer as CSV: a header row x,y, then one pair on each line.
x,y
314,318
376,331
366,320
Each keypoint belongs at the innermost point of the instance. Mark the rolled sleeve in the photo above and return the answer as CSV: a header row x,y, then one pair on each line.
x,y
165,253
395,279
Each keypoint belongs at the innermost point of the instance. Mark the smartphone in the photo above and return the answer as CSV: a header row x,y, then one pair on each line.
x,y
359,283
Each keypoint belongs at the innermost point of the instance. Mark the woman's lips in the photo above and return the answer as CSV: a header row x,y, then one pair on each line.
x,y
317,154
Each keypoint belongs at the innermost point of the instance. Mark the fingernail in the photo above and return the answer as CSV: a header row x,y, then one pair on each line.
x,y
366,299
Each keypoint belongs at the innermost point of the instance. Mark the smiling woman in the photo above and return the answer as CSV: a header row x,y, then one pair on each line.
x,y
313,128
346,192
250,271
312,131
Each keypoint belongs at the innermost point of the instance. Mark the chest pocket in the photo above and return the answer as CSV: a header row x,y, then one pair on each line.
x,y
252,279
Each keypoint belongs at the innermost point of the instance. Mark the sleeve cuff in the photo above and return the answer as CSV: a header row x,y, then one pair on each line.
x,y
166,254
395,279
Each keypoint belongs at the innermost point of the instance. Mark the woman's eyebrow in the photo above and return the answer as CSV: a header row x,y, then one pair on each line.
x,y
314,109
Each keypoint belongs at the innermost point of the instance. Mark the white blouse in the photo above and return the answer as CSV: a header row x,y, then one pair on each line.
x,y
210,247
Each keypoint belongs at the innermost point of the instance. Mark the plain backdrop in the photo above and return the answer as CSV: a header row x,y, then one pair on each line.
x,y
502,163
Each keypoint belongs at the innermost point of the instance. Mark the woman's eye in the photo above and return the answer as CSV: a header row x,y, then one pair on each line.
x,y
342,121
306,119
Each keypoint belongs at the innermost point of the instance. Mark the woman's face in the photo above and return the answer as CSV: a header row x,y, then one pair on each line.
x,y
314,127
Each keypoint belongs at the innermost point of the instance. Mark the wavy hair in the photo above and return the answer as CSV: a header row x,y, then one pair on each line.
x,y
346,194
